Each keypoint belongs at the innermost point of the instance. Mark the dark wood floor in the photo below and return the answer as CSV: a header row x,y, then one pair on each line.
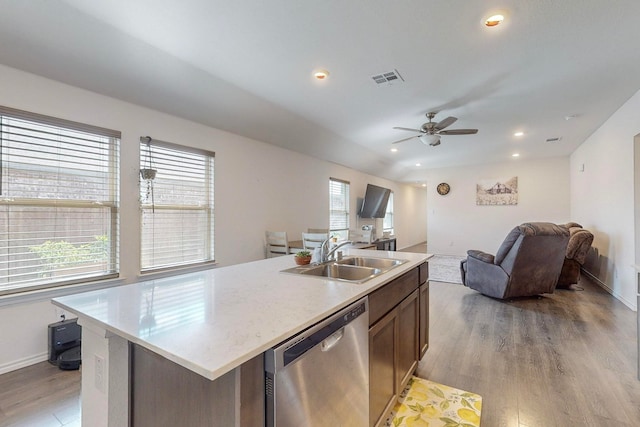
x,y
40,395
566,359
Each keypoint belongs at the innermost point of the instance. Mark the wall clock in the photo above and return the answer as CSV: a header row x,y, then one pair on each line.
x,y
443,188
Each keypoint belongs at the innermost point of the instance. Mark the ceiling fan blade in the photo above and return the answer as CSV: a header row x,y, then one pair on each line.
x,y
405,139
409,129
444,123
458,132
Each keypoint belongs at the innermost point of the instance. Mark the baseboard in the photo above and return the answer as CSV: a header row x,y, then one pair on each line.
x,y
24,362
631,304
404,249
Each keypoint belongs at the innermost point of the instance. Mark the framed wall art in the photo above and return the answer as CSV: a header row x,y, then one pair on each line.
x,y
495,192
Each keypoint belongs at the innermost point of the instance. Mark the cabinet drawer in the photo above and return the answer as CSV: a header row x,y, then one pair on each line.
x,y
382,300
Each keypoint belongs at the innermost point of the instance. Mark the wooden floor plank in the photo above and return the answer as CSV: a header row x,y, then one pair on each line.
x,y
40,395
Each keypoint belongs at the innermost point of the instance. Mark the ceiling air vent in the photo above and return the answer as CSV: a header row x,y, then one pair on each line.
x,y
553,140
389,78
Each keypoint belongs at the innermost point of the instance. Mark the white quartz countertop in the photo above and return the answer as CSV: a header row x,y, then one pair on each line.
x,y
213,321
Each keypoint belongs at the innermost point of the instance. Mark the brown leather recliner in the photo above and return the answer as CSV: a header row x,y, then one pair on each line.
x,y
527,263
580,241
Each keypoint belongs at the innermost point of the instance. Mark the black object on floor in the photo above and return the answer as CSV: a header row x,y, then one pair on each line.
x,y
70,360
65,338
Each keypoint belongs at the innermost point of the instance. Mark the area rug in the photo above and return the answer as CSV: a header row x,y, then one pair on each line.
x,y
424,403
445,268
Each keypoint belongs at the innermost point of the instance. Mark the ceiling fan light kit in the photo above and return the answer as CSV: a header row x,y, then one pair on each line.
x,y
430,132
432,140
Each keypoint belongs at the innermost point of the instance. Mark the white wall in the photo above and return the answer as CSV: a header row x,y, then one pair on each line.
x,y
602,199
257,187
457,224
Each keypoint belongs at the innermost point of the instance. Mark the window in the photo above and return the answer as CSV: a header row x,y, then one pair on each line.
x,y
177,205
387,222
58,202
339,208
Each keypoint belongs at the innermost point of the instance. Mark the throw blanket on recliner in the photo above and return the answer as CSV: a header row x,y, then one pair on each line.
x,y
580,241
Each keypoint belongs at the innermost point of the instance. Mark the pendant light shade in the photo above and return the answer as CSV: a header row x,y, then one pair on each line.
x,y
432,140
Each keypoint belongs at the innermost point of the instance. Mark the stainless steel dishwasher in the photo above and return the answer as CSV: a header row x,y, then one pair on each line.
x,y
320,377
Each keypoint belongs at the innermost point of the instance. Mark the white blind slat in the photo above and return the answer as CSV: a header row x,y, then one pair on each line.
x,y
338,205
387,222
177,207
58,201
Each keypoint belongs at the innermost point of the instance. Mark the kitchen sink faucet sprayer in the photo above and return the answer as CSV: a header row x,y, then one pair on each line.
x,y
326,254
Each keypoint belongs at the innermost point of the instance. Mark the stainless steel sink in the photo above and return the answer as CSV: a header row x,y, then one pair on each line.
x,y
381,263
344,272
350,269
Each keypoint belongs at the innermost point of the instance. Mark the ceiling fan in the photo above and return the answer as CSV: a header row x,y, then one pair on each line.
x,y
430,132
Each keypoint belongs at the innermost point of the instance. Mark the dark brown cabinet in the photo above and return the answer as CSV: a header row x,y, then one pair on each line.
x,y
385,244
423,327
163,393
395,340
382,367
407,343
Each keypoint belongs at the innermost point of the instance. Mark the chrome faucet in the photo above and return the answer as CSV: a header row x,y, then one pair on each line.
x,y
326,254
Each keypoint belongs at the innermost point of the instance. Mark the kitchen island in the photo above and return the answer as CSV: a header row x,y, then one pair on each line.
x,y
207,329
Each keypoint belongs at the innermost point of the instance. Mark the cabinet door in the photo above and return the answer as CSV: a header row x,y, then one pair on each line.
x,y
424,320
382,361
407,342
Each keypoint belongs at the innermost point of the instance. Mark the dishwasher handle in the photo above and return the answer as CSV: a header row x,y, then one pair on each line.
x,y
332,341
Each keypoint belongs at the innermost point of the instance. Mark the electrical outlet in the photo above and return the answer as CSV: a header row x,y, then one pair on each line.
x,y
99,372
59,313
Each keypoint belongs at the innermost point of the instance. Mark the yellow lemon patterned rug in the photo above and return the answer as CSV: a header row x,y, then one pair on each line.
x,y
424,403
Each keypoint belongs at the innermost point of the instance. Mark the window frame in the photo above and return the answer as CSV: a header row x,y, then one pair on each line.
x,y
61,130
388,215
342,233
209,207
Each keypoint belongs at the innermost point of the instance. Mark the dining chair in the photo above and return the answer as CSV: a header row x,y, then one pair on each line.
x,y
277,243
313,240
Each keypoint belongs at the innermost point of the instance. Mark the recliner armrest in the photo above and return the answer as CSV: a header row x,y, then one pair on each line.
x,y
482,256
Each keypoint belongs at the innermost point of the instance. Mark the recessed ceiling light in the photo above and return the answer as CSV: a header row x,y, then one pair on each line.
x,y
518,134
418,164
321,74
494,20
394,150
515,155
424,185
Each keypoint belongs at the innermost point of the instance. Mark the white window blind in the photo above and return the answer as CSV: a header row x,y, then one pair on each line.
x,y
177,205
58,202
387,222
339,206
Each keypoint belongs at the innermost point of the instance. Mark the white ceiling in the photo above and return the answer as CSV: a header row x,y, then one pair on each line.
x,y
246,66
